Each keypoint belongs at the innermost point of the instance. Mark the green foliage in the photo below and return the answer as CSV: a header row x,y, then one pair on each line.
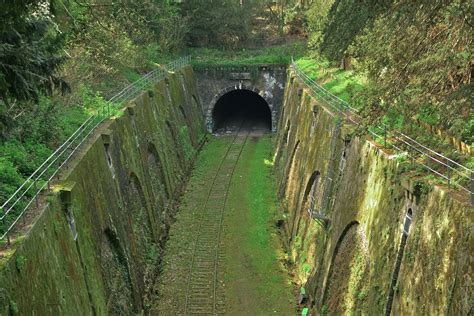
x,y
346,19
91,101
30,52
419,69
71,119
130,74
420,187
42,128
276,55
343,83
317,18
13,308
222,23
10,179
416,57
20,263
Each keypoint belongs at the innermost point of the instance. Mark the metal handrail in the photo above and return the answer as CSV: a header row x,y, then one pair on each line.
x,y
343,109
28,192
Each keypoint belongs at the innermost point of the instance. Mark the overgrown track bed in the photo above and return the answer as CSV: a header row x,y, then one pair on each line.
x,y
205,291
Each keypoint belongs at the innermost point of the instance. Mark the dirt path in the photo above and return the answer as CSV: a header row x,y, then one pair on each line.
x,y
246,277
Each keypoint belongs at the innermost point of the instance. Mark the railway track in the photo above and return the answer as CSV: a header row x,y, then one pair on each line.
x,y
205,288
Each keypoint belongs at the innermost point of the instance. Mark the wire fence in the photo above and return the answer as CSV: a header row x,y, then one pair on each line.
x,y
455,174
17,205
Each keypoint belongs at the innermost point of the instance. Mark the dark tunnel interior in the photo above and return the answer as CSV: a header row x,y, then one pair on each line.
x,y
241,109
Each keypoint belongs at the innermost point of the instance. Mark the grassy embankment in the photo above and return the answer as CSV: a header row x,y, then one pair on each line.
x,y
347,85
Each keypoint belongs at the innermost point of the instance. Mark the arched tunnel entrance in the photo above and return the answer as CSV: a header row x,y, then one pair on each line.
x,y
241,109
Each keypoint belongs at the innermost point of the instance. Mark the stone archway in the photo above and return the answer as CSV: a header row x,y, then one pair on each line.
x,y
210,123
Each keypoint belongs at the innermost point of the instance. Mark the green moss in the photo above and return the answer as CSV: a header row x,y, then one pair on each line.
x,y
372,190
13,309
20,263
77,277
189,150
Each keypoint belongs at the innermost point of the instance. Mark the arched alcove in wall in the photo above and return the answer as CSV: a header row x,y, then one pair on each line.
x,y
309,205
348,269
157,174
141,221
398,263
311,197
116,274
289,169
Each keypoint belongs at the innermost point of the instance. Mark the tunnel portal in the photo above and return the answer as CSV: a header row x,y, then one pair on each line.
x,y
241,109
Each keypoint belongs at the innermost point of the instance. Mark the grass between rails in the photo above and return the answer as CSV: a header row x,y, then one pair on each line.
x,y
257,283
183,232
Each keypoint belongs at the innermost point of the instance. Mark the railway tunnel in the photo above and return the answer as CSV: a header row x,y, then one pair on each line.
x,y
241,108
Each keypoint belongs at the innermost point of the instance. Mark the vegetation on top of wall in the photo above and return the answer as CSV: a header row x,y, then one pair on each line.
x,y
416,56
343,83
350,85
274,55
60,59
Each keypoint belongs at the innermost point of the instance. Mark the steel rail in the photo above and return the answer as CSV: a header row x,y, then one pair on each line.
x,y
222,220
192,267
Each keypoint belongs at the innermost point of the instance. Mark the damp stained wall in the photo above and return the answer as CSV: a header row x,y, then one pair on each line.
x,y
120,191
364,194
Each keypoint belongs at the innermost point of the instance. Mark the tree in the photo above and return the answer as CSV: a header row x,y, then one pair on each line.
x,y
30,51
218,23
30,57
346,20
419,61
317,17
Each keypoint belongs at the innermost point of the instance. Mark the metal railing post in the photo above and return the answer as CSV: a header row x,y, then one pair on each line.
x,y
449,174
472,187
36,192
7,232
3,220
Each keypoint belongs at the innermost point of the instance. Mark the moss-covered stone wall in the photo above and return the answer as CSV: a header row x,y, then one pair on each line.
x,y
118,195
345,254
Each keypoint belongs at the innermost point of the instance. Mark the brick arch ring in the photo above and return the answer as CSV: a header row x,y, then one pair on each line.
x,y
240,86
